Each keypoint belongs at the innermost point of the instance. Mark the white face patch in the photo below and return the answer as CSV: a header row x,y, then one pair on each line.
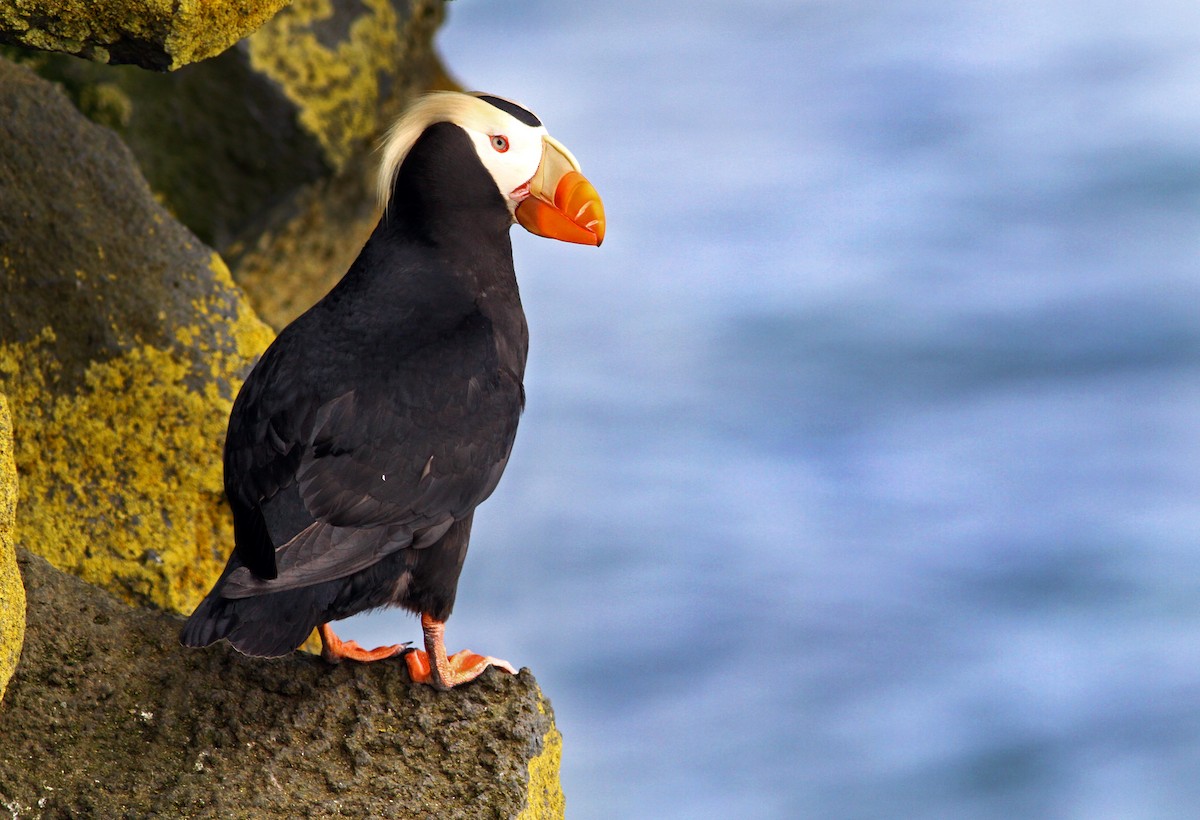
x,y
484,124
513,166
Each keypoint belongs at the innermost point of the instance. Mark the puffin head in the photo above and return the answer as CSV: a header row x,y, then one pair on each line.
x,y
536,175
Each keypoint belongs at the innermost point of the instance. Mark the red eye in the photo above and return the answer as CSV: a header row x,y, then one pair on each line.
x,y
500,143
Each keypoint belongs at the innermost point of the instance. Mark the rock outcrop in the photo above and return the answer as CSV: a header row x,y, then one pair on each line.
x,y
155,34
266,152
350,81
107,716
12,593
317,229
123,342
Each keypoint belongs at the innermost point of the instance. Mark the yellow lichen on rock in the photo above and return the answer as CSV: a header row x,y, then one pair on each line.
x,y
335,82
122,474
348,72
545,795
132,455
12,592
157,34
122,345
250,335
203,28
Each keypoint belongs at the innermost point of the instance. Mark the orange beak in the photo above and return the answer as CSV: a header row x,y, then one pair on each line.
x,y
561,204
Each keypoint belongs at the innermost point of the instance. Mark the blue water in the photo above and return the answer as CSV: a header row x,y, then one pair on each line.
x,y
860,476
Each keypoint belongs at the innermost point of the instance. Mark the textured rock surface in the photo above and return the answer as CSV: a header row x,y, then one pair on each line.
x,y
346,65
12,593
298,259
311,239
235,145
122,344
156,34
108,717
350,82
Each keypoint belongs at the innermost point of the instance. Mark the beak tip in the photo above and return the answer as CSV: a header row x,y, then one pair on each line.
x,y
574,213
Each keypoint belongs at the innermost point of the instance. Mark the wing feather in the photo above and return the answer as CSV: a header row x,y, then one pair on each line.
x,y
348,464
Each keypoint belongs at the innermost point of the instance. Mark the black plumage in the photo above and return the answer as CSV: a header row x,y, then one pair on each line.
x,y
367,434
370,430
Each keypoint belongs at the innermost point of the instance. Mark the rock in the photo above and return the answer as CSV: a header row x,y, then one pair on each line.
x,y
348,67
155,34
311,240
300,256
12,593
241,144
107,716
122,344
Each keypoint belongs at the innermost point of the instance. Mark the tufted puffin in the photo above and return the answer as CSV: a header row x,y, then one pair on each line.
x,y
370,430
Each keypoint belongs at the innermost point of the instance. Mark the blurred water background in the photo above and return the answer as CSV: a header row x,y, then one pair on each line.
x,y
860,475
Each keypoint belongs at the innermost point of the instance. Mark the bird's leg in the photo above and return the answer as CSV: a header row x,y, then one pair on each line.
x,y
335,650
441,672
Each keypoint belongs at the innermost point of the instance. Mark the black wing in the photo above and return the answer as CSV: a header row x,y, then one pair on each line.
x,y
334,461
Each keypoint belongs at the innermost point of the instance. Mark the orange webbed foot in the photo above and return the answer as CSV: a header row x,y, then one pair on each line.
x,y
461,667
335,650
432,667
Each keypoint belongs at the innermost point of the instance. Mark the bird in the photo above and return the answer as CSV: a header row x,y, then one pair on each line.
x,y
365,436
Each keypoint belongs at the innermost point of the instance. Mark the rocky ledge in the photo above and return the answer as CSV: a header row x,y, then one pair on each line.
x,y
107,716
155,34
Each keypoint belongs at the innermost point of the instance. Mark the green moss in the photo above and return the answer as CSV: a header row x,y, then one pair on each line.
x,y
112,468
12,592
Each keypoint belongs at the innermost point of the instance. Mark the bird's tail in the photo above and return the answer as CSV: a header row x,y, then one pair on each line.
x,y
265,626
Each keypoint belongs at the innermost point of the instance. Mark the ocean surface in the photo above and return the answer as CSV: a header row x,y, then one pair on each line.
x,y
860,475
